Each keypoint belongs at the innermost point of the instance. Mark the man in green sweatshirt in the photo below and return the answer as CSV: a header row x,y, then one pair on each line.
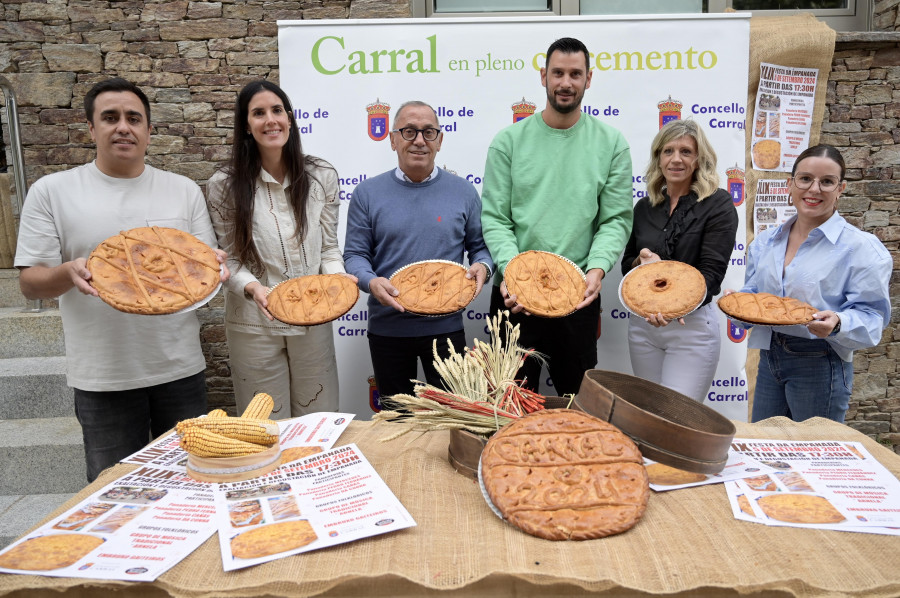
x,y
559,181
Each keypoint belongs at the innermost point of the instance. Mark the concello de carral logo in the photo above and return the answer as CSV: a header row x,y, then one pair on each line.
x,y
378,119
736,184
735,333
669,109
374,397
523,109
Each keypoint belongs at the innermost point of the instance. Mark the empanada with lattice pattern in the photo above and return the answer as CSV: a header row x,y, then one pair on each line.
x,y
544,283
433,287
153,270
313,299
765,308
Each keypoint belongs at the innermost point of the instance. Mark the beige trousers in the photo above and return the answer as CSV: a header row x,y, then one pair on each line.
x,y
299,371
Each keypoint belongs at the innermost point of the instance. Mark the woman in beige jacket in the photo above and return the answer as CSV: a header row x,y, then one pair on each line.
x,y
275,211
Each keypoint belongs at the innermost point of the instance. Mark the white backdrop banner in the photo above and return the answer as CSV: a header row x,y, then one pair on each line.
x,y
346,78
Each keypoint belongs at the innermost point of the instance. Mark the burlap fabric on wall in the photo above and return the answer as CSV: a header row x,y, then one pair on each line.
x,y
688,543
7,224
796,41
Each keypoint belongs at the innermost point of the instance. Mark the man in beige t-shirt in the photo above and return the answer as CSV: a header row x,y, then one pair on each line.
x,y
134,376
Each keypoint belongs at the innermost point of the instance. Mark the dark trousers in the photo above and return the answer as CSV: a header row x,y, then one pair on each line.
x,y
395,360
118,423
569,344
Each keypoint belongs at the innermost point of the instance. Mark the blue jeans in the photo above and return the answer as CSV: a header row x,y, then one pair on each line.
x,y
118,423
801,378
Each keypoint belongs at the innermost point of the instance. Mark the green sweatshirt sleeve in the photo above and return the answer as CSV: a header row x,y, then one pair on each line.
x,y
496,208
615,214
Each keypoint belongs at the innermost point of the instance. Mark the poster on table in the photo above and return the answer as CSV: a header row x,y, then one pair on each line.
x,y
772,206
133,529
825,484
314,430
346,80
783,115
323,500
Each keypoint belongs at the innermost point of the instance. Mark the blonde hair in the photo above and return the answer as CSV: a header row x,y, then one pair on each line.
x,y
705,178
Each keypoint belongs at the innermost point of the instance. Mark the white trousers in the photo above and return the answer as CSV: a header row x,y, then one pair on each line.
x,y
683,358
300,371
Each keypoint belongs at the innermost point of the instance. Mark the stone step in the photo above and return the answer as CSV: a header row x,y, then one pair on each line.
x,y
34,387
11,295
20,513
30,334
41,456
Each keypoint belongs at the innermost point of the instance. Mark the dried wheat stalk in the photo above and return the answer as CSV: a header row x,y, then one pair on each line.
x,y
481,395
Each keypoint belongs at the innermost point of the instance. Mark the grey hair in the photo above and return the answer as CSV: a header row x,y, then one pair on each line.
x,y
416,103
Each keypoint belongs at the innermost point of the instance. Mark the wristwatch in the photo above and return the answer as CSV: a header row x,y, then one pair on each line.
x,y
837,327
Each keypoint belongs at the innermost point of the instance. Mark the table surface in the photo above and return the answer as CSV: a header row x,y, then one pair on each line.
x,y
687,542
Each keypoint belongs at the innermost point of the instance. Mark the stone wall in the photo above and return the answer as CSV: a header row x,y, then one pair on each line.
x,y
862,116
885,15
191,58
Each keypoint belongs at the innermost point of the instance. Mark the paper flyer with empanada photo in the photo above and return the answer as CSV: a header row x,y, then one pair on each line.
x,y
782,117
817,483
133,529
322,500
772,206
743,510
299,436
662,477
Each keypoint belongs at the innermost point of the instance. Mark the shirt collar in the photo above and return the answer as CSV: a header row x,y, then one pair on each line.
x,y
560,132
402,176
268,178
831,228
690,197
784,228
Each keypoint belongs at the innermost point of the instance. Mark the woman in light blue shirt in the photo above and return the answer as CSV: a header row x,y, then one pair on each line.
x,y
816,257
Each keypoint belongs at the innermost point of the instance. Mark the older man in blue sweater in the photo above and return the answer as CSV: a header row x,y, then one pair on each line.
x,y
414,212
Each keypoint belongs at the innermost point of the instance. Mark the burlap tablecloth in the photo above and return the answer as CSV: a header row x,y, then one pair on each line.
x,y
687,543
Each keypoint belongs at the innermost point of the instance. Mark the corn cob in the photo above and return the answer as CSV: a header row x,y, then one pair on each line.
x,y
257,431
217,413
260,407
204,443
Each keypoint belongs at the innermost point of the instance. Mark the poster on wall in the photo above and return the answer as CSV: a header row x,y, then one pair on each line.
x,y
346,80
772,206
783,115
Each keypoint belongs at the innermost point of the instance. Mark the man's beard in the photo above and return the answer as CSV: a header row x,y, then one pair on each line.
x,y
566,108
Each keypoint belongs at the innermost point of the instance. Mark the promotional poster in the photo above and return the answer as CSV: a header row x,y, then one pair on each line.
x,y
346,79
